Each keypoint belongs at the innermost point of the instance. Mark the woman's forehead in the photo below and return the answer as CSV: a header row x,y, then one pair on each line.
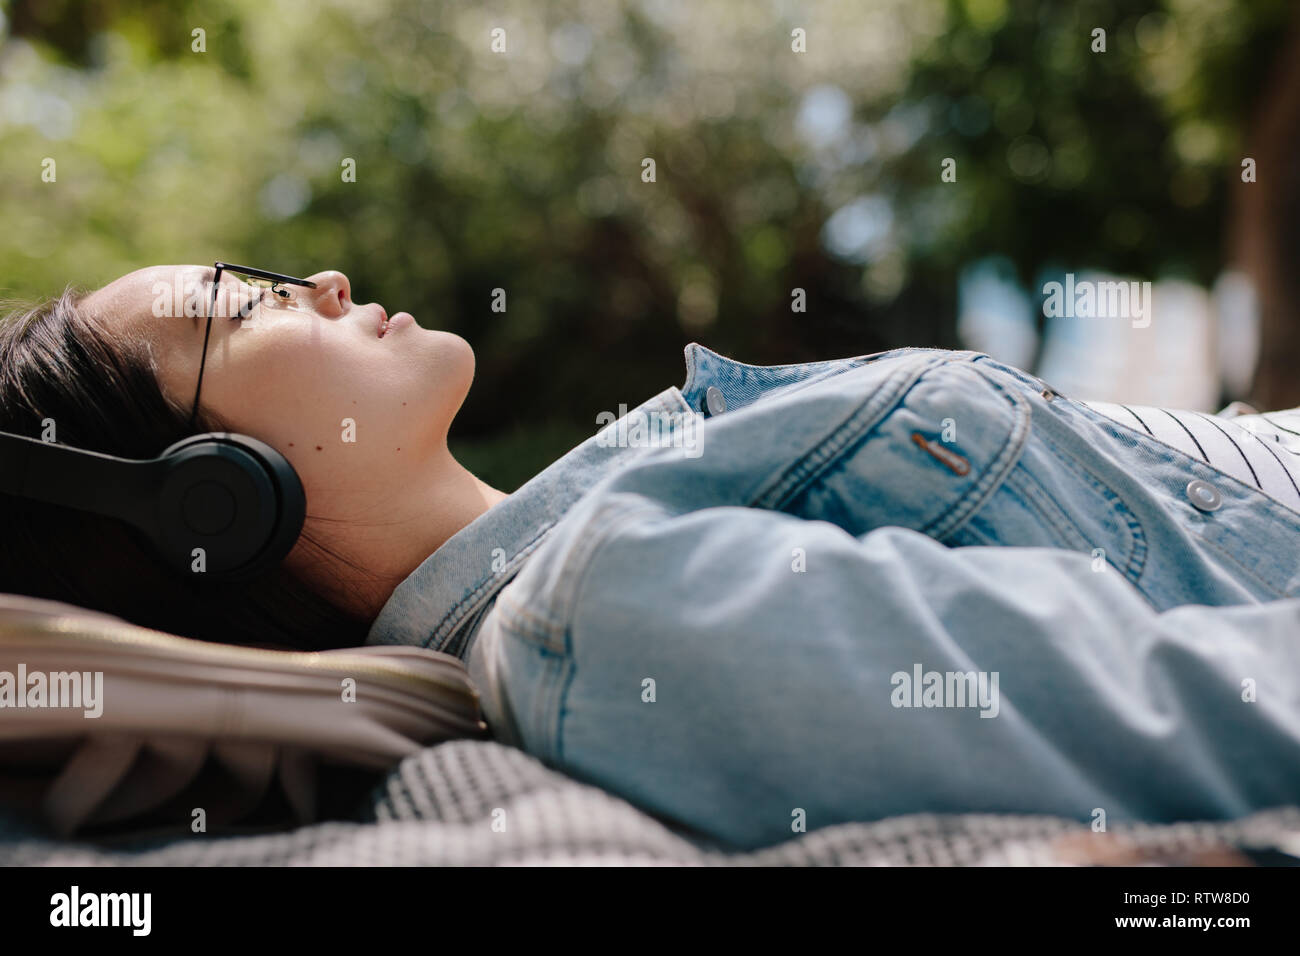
x,y
129,298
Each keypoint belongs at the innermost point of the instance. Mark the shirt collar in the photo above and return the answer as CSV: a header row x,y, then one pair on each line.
x,y
440,604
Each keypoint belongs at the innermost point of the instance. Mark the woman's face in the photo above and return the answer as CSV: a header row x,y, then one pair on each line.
x,y
353,412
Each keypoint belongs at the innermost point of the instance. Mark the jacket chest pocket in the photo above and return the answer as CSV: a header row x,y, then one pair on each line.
x,y
935,457
1053,499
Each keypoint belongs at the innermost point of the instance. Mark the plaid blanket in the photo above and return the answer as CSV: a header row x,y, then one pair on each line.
x,y
481,803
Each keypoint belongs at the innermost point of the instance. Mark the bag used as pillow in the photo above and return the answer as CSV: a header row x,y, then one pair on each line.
x,y
102,722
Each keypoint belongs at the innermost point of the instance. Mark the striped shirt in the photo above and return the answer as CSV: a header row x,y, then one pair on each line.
x,y
1260,449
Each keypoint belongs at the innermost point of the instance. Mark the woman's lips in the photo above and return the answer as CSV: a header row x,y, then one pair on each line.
x,y
398,321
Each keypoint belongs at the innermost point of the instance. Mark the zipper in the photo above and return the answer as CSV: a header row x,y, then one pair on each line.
x,y
90,632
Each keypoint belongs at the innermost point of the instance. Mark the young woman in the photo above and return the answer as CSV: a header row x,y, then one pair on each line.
x,y
772,599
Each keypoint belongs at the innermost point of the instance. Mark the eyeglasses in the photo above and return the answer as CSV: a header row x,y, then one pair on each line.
x,y
270,282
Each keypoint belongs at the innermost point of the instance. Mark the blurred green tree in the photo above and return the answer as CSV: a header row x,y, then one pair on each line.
x,y
521,170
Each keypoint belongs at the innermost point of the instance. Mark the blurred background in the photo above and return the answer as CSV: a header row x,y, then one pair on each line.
x,y
774,171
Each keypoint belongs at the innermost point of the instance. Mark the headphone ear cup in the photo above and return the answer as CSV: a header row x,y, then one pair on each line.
x,y
229,506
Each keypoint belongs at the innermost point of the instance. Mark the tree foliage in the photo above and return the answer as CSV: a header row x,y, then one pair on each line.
x,y
522,170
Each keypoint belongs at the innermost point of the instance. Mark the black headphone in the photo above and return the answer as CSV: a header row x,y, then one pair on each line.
x,y
216,506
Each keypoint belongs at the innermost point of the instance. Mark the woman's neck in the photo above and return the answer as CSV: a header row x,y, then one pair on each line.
x,y
379,543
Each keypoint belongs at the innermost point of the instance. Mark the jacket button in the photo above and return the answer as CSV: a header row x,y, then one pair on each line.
x,y
1204,495
714,403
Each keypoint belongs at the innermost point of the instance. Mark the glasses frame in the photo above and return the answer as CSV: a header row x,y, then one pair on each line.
x,y
275,278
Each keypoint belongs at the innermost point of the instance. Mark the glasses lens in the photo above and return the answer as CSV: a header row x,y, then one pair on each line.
x,y
278,295
238,295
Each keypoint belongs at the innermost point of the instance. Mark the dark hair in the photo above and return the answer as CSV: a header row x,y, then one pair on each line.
x,y
102,393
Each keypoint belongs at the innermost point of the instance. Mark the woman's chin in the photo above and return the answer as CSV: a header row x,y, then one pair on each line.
x,y
451,370
459,353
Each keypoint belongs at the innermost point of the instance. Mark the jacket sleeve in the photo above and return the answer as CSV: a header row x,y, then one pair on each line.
x,y
746,673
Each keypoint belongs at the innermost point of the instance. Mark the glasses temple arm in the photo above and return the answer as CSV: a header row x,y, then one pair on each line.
x,y
203,359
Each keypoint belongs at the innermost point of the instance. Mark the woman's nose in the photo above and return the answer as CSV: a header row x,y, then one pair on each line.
x,y
332,292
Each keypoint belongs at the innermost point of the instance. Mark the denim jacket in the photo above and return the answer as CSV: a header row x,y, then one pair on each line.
x,y
779,598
